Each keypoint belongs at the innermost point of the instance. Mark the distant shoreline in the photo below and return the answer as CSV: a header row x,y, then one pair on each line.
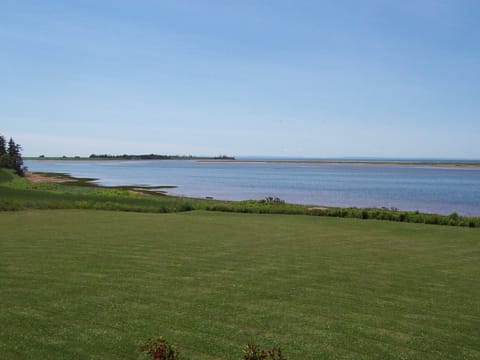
x,y
127,157
440,163
352,162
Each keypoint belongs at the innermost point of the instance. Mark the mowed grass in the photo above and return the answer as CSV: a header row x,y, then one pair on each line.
x,y
84,284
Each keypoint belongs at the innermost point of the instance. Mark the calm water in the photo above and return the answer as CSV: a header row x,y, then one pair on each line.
x,y
427,189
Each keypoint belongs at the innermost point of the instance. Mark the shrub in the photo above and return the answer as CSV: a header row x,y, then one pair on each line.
x,y
252,351
364,214
272,200
160,349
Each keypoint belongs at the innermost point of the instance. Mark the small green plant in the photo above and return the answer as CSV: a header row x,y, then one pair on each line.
x,y
252,351
160,349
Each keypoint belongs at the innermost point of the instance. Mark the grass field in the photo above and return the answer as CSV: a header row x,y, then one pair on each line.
x,y
85,284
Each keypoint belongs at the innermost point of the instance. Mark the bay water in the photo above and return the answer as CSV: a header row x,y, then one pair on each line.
x,y
432,189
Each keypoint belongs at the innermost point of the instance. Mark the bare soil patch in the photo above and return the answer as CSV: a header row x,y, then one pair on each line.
x,y
39,178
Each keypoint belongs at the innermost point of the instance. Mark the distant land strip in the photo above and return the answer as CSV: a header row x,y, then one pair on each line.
x,y
132,157
232,159
352,162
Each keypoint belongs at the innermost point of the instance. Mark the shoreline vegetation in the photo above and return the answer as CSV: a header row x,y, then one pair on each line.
x,y
62,191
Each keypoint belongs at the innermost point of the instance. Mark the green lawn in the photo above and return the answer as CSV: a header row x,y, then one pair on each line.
x,y
85,284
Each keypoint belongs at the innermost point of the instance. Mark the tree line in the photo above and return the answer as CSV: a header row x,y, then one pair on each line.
x,y
11,156
155,157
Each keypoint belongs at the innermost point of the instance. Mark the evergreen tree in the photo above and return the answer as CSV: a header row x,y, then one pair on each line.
x,y
3,146
12,148
14,157
11,156
4,161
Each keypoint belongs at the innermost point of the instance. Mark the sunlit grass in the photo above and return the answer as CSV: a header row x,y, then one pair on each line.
x,y
82,284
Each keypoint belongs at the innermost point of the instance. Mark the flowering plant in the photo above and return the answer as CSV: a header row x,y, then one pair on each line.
x,y
160,349
252,351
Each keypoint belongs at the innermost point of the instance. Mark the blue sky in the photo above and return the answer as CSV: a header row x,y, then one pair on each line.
x,y
265,77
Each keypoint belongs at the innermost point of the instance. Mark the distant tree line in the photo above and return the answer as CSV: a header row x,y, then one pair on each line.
x,y
11,156
224,157
136,157
150,157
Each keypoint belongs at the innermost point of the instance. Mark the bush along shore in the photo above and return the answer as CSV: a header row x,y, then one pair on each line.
x,y
60,191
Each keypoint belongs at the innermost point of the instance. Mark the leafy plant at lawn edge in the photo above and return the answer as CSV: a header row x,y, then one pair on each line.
x,y
252,351
160,349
